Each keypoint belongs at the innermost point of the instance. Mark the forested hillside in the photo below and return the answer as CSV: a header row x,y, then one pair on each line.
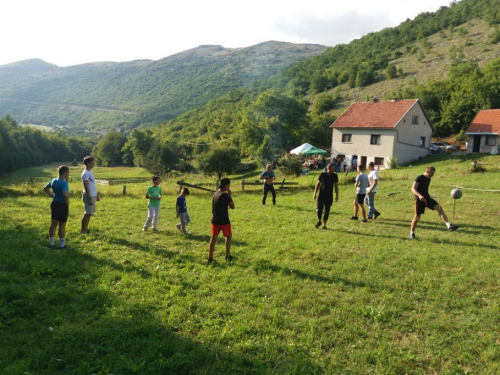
x,y
447,59
142,93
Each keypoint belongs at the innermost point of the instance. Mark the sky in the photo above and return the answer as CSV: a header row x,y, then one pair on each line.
x,y
72,32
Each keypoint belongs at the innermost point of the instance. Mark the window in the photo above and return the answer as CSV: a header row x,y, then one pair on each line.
x,y
491,140
346,138
422,141
379,161
414,120
375,139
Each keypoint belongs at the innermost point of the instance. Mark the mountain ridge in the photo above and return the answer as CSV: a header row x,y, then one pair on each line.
x,y
156,90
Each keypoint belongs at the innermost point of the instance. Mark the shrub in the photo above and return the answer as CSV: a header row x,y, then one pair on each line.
x,y
393,162
291,166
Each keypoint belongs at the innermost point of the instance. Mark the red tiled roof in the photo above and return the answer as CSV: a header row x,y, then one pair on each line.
x,y
380,114
486,121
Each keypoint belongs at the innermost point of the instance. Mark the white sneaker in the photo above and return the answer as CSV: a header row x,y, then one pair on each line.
x,y
186,232
144,229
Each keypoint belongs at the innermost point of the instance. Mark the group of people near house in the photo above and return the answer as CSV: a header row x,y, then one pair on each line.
x,y
366,188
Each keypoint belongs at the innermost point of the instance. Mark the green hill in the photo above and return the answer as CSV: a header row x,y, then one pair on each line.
x,y
106,95
442,58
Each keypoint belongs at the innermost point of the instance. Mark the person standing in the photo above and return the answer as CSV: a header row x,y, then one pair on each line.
x,y
423,200
90,196
344,163
59,207
182,211
370,194
154,194
268,177
361,185
326,182
221,201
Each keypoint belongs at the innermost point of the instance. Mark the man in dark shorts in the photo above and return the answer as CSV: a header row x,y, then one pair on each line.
x,y
59,206
422,200
326,182
268,177
220,218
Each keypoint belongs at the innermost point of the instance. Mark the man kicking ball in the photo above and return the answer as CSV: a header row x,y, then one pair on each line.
x,y
422,200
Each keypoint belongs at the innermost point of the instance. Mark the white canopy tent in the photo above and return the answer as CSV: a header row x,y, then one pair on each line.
x,y
302,148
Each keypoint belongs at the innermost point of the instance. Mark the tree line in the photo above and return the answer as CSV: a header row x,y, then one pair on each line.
x,y
22,147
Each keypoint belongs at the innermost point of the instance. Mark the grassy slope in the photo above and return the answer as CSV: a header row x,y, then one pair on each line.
x,y
356,299
434,65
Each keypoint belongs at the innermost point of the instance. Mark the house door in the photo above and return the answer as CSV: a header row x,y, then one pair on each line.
x,y
363,161
476,146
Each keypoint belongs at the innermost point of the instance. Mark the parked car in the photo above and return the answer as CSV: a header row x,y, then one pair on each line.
x,y
445,146
434,149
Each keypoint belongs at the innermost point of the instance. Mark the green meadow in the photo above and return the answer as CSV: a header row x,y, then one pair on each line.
x,y
358,298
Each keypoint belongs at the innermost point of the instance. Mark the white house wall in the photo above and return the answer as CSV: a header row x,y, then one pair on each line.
x,y
407,137
360,144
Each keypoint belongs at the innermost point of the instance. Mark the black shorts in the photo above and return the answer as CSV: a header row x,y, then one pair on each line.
x,y
421,206
59,211
360,198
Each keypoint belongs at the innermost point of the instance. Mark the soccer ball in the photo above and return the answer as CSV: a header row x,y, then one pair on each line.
x,y
456,193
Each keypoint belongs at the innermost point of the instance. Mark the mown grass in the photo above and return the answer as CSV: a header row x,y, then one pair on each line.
x,y
355,299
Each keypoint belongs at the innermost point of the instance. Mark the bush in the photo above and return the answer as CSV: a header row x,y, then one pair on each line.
x,y
393,162
185,166
291,166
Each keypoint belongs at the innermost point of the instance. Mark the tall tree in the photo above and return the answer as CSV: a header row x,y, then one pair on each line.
x,y
108,152
220,161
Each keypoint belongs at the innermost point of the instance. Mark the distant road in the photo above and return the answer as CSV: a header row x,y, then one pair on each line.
x,y
78,106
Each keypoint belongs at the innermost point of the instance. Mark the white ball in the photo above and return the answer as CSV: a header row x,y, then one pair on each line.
x,y
456,193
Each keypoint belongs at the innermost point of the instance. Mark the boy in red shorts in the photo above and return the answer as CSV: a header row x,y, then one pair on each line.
x,y
220,218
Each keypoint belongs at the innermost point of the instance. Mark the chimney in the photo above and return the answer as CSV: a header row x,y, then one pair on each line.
x,y
374,99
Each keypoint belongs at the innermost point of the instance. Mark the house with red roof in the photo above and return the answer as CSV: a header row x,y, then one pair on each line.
x,y
381,129
482,134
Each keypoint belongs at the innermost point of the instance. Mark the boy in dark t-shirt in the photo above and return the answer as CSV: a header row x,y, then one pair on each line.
x,y
221,201
422,200
326,182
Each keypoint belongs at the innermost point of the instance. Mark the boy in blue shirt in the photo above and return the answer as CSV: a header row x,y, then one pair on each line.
x,y
181,209
60,205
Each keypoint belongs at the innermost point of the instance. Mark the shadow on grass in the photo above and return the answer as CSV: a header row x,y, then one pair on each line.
x,y
141,247
57,317
262,265
220,240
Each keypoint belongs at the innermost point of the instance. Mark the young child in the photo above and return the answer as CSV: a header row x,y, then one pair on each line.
x,y
60,206
182,212
154,194
361,185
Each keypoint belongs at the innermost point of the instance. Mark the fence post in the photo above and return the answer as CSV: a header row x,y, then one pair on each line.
x,y
242,185
180,189
124,189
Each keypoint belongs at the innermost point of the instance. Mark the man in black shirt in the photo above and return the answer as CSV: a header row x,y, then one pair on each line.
x,y
326,182
220,218
422,200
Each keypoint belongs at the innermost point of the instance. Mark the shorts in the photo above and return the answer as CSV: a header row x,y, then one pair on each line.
x,y
89,208
59,211
360,198
420,206
217,228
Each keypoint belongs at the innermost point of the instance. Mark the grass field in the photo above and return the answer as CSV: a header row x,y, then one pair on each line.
x,y
358,298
